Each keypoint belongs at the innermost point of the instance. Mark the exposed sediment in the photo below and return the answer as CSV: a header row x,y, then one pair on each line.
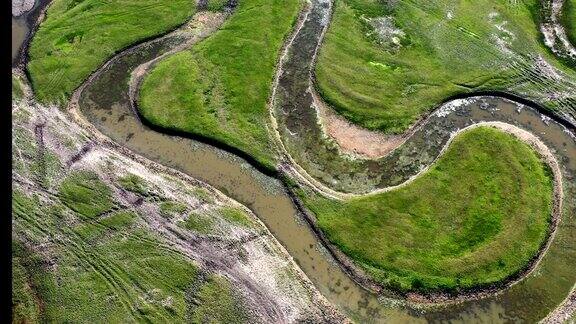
x,y
554,33
20,7
565,311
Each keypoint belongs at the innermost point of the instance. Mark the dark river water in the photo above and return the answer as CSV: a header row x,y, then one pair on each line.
x,y
19,32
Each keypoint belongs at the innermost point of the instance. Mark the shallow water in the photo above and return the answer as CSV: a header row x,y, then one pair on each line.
x,y
108,108
19,31
21,27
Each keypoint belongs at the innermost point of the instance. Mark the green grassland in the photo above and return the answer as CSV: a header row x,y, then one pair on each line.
x,y
133,183
215,5
103,267
199,223
568,19
236,216
25,307
109,269
216,303
77,36
427,52
441,232
81,255
220,87
171,209
86,194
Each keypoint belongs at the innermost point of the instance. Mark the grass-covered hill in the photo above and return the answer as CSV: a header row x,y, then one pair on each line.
x,y
384,64
442,232
78,36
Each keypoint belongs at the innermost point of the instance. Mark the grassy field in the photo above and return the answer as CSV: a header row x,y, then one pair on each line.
x,y
441,232
216,303
98,264
86,194
25,308
220,87
102,268
17,91
568,19
385,63
199,223
215,5
236,216
81,254
78,36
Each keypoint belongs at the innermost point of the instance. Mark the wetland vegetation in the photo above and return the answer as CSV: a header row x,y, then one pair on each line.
x,y
17,91
78,36
92,244
475,218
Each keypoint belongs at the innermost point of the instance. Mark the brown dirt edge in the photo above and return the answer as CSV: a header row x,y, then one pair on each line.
x,y
352,139
440,298
564,311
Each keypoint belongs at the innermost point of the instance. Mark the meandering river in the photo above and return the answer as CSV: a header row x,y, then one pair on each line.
x,y
104,101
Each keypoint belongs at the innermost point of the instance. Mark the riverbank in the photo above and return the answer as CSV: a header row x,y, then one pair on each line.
x,y
271,286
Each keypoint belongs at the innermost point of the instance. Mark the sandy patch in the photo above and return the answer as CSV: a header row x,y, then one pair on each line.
x,y
352,138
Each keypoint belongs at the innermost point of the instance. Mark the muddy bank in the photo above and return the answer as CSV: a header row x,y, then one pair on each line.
x,y
21,6
352,139
565,313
